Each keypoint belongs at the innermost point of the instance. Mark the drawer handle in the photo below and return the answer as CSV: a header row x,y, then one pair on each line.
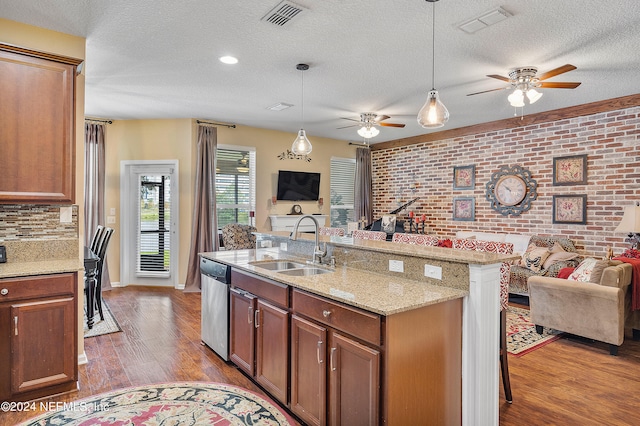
x,y
256,316
4,291
326,314
250,315
333,350
320,361
15,322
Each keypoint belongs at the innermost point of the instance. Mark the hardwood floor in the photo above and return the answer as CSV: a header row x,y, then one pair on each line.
x,y
568,382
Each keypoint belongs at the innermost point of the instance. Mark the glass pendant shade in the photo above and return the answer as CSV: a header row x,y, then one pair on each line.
x,y
368,132
301,146
533,95
516,99
433,113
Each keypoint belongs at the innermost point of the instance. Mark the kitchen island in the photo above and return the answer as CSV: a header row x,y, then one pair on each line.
x,y
435,357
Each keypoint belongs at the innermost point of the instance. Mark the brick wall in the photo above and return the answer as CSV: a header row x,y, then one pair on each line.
x,y
610,140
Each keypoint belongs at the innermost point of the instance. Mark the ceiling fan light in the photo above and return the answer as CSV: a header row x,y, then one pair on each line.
x,y
368,132
516,99
533,95
433,113
301,145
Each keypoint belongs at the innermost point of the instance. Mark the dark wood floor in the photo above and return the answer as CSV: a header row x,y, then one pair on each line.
x,y
568,382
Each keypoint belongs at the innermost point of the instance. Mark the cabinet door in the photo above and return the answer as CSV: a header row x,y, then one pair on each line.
x,y
37,127
272,349
354,382
42,344
308,371
241,330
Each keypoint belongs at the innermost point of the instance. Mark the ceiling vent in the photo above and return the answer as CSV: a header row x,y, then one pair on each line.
x,y
485,20
283,13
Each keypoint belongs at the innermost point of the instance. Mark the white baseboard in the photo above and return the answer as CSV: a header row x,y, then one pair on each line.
x,y
180,286
116,284
82,359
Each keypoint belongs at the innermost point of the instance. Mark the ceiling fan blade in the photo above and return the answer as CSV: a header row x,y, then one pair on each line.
x,y
556,71
487,91
391,124
346,127
558,85
380,118
350,119
499,77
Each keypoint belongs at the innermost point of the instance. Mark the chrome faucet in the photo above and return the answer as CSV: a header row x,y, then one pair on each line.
x,y
318,252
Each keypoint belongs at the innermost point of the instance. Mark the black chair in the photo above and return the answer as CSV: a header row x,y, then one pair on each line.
x,y
100,250
96,239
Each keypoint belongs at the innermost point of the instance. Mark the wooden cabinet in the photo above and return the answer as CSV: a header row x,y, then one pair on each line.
x,y
259,331
352,368
37,130
38,336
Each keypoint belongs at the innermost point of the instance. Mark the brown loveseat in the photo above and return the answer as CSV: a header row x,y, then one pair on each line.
x,y
520,275
595,310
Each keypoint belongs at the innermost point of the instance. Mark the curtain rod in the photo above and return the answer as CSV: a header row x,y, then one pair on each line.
x,y
232,126
98,120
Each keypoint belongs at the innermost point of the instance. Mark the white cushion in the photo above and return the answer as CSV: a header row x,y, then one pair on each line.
x,y
483,236
520,242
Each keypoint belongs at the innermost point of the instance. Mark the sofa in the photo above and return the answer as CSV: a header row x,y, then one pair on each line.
x,y
596,309
520,272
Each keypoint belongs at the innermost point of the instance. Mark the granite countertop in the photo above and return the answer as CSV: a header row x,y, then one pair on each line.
x,y
25,258
379,293
56,266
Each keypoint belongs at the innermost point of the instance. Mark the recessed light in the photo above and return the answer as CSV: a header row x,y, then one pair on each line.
x,y
228,60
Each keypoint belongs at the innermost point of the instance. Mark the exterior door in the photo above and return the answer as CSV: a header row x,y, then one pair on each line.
x,y
149,243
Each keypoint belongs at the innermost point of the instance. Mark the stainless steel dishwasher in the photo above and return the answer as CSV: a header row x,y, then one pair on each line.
x,y
216,279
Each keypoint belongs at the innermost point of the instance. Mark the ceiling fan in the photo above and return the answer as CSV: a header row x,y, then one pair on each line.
x,y
368,121
524,80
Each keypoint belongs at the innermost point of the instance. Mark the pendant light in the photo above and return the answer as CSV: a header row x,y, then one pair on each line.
x,y
301,145
433,113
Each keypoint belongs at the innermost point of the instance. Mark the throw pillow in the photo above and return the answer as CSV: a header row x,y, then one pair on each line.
x,y
534,259
583,271
565,272
598,270
558,256
531,247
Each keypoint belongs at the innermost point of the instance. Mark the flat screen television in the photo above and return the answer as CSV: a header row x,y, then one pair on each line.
x,y
298,186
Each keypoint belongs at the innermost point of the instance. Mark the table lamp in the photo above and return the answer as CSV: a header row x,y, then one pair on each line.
x,y
630,224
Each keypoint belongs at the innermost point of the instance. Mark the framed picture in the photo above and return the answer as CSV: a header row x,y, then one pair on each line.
x,y
570,209
388,224
464,177
464,208
571,170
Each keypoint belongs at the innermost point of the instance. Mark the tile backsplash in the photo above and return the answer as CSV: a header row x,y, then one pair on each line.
x,y
20,222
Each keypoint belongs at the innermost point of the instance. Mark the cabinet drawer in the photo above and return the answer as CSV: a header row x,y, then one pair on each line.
x,y
37,286
261,287
354,321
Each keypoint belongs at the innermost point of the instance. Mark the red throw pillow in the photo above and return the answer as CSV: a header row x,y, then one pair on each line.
x,y
565,272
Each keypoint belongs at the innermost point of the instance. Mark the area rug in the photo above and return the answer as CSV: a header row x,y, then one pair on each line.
x,y
186,403
100,327
522,337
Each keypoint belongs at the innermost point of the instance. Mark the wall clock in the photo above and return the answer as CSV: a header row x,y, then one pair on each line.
x,y
511,190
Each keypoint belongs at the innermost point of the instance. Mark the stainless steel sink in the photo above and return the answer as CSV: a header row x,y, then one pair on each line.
x,y
303,272
278,265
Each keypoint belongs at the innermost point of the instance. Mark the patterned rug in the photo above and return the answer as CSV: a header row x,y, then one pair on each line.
x,y
187,403
522,337
100,327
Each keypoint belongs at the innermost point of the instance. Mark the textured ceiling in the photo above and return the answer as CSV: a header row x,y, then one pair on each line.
x,y
159,58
